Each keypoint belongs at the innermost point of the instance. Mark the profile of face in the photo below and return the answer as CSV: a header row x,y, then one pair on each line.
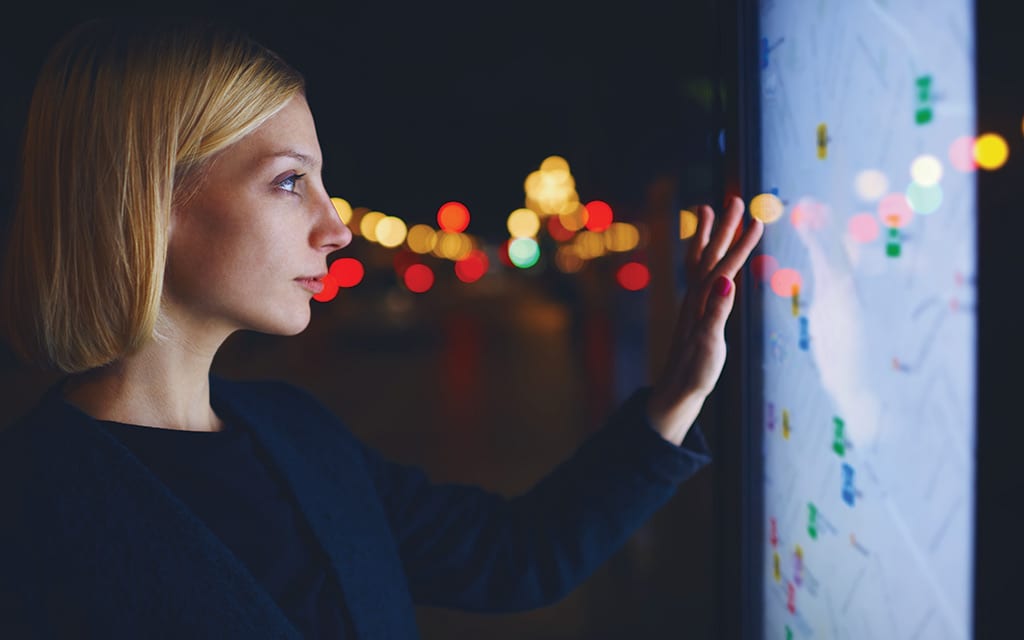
x,y
260,222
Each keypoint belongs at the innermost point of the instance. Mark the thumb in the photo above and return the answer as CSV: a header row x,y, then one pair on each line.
x,y
719,305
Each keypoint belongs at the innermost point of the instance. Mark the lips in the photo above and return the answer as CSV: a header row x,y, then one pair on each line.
x,y
319,276
313,284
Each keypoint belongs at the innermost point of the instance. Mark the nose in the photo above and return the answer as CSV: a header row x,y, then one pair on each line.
x,y
332,233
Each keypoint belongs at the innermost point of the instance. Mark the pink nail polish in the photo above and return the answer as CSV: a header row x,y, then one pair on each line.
x,y
723,286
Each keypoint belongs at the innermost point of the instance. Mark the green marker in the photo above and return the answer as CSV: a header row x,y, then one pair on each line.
x,y
923,115
812,521
839,443
789,633
892,247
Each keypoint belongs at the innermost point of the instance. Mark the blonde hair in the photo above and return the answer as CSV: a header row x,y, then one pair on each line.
x,y
124,117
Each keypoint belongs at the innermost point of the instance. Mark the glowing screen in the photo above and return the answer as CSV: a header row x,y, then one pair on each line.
x,y
866,283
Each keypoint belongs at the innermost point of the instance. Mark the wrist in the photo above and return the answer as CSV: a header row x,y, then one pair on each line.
x,y
673,420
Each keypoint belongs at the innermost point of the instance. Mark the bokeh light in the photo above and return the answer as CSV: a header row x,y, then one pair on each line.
x,y
368,225
871,184
391,231
589,245
766,207
894,210
418,278
633,276
785,281
472,267
991,151
961,154
926,170
453,246
554,163
687,224
524,252
343,208
924,199
329,292
575,219
763,267
863,227
599,215
421,238
347,272
523,223
567,260
808,213
621,236
558,232
453,217
403,260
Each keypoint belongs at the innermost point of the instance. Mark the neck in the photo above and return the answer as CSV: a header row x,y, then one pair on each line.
x,y
164,385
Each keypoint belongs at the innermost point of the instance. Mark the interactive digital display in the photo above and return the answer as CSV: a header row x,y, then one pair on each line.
x,y
866,285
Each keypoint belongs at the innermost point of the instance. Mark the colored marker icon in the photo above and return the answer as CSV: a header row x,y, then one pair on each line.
x,y
785,424
805,334
923,112
812,520
839,439
849,492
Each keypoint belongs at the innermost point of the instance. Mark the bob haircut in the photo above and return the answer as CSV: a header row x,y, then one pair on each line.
x,y
125,116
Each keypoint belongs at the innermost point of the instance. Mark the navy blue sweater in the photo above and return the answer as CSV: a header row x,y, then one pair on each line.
x,y
287,526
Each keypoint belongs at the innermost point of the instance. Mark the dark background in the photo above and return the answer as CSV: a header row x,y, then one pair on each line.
x,y
493,383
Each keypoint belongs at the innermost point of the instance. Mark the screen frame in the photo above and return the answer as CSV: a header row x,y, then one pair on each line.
x,y
998,553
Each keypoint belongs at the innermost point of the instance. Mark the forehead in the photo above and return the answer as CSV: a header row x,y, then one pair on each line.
x,y
290,133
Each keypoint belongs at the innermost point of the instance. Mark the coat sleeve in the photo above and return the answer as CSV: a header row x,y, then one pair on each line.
x,y
466,548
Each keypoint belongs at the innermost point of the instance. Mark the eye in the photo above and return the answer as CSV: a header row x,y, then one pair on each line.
x,y
289,183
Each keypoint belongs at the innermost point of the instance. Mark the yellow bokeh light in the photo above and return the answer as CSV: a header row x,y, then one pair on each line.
x,y
991,151
453,246
391,231
926,170
567,260
589,245
343,208
421,238
766,207
552,163
621,236
523,223
368,225
687,224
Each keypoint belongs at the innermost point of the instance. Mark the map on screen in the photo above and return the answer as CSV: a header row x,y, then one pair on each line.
x,y
866,279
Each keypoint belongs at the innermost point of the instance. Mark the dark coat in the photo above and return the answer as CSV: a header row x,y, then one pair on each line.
x,y
94,545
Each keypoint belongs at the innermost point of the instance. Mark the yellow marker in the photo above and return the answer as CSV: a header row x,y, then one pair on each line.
x,y
778,571
796,300
799,552
785,424
822,141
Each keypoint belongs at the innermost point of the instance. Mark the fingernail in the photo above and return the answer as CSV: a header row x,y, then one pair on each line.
x,y
723,286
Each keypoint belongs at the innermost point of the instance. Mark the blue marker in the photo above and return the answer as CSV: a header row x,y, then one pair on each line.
x,y
805,334
848,491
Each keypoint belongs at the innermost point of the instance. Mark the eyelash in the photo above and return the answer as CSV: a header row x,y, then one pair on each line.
x,y
295,177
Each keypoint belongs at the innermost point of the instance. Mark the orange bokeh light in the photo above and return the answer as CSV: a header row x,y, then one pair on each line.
x,y
453,217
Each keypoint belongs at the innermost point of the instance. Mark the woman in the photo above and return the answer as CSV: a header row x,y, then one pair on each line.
x,y
163,163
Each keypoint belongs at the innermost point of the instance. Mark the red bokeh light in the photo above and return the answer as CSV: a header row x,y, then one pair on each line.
x,y
472,267
558,231
599,215
329,292
418,278
346,272
453,217
633,276
763,266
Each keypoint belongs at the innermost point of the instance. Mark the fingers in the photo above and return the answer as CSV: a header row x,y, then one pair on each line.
x,y
695,248
723,236
733,261
719,305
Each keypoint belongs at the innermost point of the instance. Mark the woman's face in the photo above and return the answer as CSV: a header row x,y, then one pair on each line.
x,y
260,222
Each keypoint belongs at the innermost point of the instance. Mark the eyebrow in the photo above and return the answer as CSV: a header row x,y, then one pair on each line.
x,y
291,153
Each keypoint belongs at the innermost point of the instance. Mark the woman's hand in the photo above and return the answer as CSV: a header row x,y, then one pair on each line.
x,y
697,355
